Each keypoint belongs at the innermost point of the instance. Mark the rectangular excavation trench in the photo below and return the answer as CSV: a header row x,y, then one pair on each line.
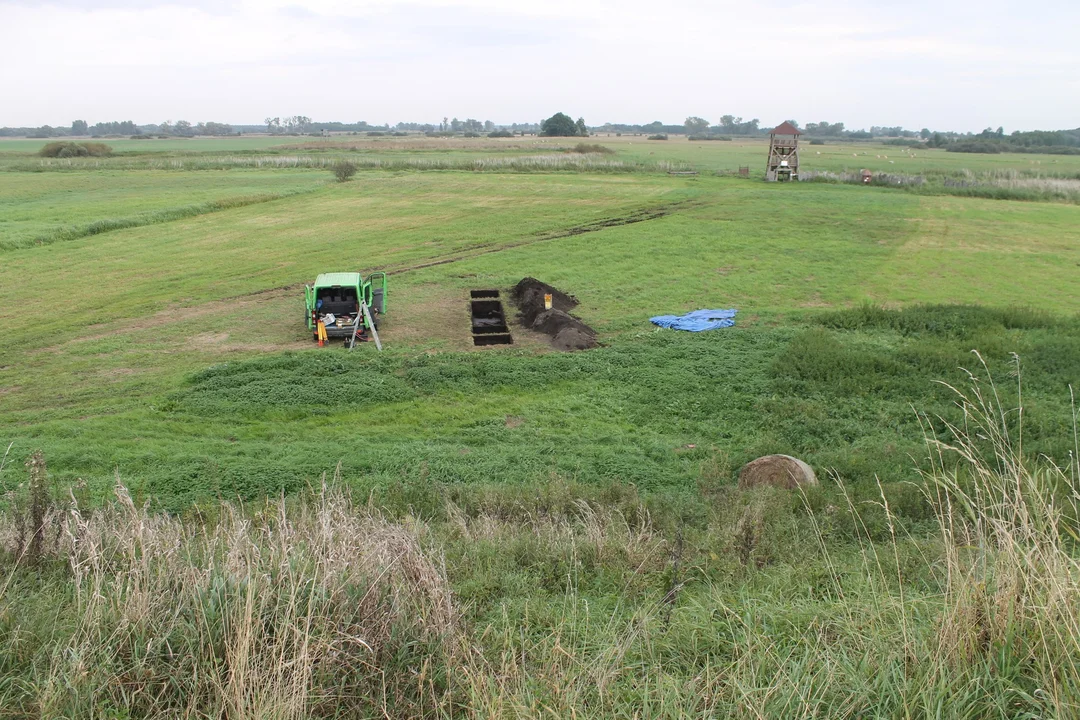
x,y
488,318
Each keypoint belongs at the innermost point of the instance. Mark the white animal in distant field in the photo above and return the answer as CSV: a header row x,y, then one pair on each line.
x,y
854,154
892,162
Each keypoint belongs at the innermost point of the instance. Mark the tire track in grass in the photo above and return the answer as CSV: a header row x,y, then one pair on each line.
x,y
653,212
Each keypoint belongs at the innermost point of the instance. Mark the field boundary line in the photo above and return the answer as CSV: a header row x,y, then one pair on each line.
x,y
152,217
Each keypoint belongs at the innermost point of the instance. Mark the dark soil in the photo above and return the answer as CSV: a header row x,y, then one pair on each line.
x,y
528,295
571,338
566,331
551,322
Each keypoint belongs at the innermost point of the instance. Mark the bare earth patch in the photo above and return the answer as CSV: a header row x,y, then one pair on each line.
x,y
437,315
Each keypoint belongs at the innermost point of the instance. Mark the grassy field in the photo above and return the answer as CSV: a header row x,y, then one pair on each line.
x,y
565,530
834,156
199,144
714,156
46,207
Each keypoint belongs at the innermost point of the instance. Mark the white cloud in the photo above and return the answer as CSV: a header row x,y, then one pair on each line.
x,y
959,65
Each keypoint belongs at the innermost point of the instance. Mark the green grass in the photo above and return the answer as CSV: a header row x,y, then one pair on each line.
x,y
578,513
833,156
200,144
705,156
37,208
114,371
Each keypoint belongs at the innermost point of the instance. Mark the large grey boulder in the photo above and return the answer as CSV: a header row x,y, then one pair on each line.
x,y
781,471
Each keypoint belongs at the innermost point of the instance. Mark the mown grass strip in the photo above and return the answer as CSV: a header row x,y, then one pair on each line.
x,y
76,232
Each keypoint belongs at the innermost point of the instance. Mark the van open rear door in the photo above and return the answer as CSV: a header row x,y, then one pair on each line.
x,y
309,302
377,281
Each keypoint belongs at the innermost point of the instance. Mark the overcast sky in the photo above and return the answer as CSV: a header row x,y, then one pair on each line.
x,y
945,64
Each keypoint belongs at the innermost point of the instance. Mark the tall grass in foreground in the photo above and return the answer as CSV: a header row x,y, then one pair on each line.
x,y
1009,527
322,607
275,612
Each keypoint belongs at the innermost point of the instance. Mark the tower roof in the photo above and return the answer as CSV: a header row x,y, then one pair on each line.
x,y
785,128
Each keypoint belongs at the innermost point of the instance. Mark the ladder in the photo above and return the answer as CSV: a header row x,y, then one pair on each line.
x,y
370,324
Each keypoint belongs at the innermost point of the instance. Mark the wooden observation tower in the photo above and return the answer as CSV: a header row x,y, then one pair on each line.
x,y
783,153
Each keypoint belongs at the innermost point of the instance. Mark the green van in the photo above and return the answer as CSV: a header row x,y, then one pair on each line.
x,y
335,299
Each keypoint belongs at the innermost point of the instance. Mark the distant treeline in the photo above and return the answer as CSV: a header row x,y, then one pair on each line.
x,y
1064,142
78,128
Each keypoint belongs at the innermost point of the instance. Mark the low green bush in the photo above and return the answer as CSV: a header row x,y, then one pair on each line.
x,y
585,148
344,170
976,146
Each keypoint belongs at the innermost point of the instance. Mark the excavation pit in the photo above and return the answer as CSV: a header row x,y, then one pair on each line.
x,y
504,339
488,318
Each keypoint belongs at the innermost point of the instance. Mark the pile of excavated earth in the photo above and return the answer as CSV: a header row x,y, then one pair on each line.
x,y
566,331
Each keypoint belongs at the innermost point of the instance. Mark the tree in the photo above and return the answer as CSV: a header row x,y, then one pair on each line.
x,y
925,134
559,125
215,128
489,126
79,127
937,140
582,130
696,126
183,127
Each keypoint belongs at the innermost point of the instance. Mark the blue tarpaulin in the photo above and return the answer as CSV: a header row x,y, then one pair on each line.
x,y
697,320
